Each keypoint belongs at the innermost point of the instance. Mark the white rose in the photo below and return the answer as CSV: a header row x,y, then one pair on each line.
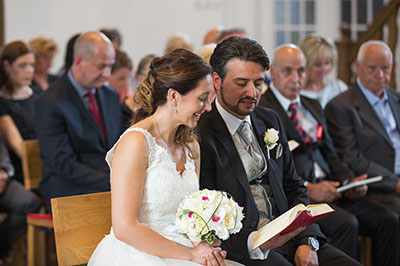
x,y
271,136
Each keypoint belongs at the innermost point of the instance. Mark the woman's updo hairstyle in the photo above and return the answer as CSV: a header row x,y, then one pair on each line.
x,y
180,70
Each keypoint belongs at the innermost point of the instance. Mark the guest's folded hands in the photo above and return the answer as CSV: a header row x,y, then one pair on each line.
x,y
324,191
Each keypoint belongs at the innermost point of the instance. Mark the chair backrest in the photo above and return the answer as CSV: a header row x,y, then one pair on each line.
x,y
31,164
80,223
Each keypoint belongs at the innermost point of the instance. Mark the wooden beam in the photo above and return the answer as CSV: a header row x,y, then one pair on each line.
x,y
2,23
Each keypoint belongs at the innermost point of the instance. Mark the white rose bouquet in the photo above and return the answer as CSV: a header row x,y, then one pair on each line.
x,y
208,213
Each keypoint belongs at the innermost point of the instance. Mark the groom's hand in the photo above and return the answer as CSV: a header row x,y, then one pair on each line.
x,y
305,256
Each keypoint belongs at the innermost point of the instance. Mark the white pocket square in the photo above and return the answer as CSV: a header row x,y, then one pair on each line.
x,y
279,151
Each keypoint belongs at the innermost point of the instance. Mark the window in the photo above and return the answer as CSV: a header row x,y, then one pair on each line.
x,y
294,19
358,14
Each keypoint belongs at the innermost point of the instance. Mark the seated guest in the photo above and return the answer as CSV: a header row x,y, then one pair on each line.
x,y
121,81
16,201
77,120
210,36
69,54
17,62
320,82
114,35
234,160
143,67
45,49
178,40
121,75
317,162
226,33
364,123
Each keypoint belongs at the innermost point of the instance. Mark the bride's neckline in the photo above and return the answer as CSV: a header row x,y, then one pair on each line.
x,y
180,173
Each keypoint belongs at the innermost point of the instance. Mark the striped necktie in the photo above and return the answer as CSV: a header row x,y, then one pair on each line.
x,y
294,117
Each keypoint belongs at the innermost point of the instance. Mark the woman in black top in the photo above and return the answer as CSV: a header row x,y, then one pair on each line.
x,y
16,98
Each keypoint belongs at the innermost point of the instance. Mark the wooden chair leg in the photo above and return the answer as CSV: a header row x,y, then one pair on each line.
x,y
31,233
365,250
18,252
42,245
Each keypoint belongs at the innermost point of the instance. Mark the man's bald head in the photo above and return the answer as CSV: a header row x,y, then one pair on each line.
x,y
288,70
285,50
94,55
88,43
373,46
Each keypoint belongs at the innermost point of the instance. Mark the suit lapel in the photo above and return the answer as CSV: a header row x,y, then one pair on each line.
x,y
312,108
223,136
108,118
77,101
367,113
260,126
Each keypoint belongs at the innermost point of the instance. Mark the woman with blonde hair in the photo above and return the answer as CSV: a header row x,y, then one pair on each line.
x,y
45,48
320,82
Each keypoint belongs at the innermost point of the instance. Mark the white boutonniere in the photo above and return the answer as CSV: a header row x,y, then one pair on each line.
x,y
271,138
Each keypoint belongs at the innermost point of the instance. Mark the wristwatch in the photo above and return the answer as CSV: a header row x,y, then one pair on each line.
x,y
313,243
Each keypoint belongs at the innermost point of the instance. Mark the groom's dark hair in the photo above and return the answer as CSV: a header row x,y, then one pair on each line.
x,y
241,48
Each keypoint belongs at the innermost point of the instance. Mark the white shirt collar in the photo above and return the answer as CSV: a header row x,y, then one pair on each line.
x,y
231,121
285,102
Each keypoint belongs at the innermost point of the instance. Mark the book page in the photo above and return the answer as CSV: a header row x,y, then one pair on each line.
x,y
275,226
317,209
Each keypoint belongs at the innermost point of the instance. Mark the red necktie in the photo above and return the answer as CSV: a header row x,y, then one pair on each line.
x,y
94,109
295,121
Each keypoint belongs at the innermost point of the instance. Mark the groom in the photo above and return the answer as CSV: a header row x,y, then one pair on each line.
x,y
234,159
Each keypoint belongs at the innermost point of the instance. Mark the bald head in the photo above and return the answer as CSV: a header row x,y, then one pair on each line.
x,y
88,43
374,46
374,66
288,70
94,56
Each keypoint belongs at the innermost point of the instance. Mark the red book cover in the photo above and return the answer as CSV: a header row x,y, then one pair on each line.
x,y
290,220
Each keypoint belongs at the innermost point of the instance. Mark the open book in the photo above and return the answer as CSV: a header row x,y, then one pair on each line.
x,y
297,216
359,183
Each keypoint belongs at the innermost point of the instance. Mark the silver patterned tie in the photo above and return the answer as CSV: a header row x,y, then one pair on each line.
x,y
251,147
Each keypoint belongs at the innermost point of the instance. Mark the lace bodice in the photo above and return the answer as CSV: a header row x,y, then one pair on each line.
x,y
164,188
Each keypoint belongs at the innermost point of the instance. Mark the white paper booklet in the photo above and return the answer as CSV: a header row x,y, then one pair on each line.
x,y
359,183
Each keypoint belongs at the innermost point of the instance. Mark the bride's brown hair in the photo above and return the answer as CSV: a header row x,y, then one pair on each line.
x,y
180,70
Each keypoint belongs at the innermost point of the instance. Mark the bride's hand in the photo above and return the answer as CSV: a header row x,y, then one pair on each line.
x,y
216,258
206,254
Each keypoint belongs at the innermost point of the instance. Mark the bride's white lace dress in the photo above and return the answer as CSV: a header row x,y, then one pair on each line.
x,y
164,189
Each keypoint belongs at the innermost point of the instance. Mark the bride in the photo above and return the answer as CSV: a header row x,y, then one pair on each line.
x,y
155,164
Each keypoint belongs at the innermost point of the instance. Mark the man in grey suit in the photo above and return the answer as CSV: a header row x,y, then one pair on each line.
x,y
78,119
364,123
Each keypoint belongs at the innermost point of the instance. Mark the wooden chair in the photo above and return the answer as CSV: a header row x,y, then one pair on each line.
x,y
80,223
365,250
32,171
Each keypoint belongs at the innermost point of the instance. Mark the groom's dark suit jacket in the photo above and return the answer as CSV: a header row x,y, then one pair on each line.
x,y
71,143
222,169
360,137
323,151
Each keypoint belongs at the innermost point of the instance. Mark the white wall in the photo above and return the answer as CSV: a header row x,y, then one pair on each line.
x,y
145,25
